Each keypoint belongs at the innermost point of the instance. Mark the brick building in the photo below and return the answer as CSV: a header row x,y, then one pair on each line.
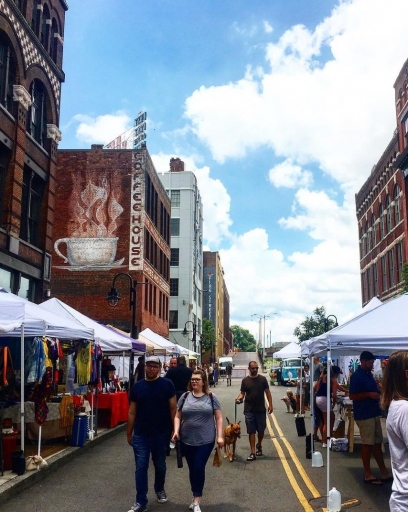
x,y
381,206
31,43
112,215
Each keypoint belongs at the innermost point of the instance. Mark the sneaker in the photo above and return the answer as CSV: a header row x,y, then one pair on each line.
x,y
324,445
137,507
196,507
191,506
161,496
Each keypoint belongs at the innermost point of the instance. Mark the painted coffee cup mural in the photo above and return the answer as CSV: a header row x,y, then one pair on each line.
x,y
94,212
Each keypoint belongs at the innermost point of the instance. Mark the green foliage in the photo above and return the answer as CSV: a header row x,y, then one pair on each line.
x,y
208,334
243,339
314,325
405,278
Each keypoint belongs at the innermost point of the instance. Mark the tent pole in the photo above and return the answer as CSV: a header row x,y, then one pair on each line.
x,y
328,374
22,378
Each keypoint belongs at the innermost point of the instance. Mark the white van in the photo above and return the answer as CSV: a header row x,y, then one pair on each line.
x,y
222,363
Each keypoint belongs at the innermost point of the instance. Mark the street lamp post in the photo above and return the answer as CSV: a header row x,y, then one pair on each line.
x,y
194,338
113,299
326,322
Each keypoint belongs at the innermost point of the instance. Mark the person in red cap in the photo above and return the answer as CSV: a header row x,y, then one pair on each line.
x,y
366,395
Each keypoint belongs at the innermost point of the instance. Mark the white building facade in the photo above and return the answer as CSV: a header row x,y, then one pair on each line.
x,y
186,261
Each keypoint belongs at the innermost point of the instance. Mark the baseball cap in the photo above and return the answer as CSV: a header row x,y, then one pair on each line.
x,y
366,356
153,359
336,369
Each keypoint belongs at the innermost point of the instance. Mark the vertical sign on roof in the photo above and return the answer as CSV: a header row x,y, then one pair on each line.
x,y
140,131
137,211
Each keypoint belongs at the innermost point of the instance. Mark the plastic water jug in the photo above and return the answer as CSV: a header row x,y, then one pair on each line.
x,y
317,460
334,504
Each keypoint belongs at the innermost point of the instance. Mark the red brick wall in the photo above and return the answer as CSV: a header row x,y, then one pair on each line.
x,y
93,200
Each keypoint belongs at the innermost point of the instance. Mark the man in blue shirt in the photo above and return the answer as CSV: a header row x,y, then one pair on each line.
x,y
365,395
149,428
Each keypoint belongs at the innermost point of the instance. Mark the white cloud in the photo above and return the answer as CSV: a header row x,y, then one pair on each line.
x,y
215,198
342,109
287,174
103,128
267,27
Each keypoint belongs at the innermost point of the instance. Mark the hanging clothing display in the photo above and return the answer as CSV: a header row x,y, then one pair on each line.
x,y
83,363
34,360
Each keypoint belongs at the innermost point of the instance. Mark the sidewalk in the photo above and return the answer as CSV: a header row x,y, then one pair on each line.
x,y
11,484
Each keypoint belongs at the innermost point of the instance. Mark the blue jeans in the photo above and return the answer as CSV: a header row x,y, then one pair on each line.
x,y
197,457
143,445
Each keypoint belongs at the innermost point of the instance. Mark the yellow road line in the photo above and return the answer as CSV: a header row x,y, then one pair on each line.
x,y
289,473
298,464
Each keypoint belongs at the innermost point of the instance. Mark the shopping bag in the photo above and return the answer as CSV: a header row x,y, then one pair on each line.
x,y
217,461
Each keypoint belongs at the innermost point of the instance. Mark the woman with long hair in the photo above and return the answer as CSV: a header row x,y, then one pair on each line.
x,y
198,422
394,398
320,389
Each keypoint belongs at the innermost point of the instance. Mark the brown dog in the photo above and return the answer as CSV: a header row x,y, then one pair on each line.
x,y
232,432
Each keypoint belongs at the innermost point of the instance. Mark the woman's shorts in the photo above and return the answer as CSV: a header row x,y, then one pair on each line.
x,y
321,402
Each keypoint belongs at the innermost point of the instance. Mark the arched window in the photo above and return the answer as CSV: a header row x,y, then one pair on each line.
x,y
389,213
7,74
373,231
54,41
382,222
37,113
35,21
397,202
45,28
22,5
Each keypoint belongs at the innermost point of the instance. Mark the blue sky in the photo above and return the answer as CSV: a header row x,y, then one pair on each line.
x,y
280,108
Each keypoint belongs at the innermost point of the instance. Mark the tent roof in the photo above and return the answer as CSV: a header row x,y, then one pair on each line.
x,y
157,341
380,330
40,322
108,339
292,349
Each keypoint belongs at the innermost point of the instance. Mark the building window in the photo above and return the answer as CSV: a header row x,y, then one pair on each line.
x,y
54,41
7,75
33,191
397,202
45,28
391,267
389,214
374,231
400,261
37,113
382,222
175,227
175,198
384,273
375,278
361,243
4,162
174,257
174,287
173,319
35,21
368,234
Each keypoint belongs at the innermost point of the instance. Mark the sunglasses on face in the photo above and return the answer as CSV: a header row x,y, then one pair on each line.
x,y
152,367
254,367
196,380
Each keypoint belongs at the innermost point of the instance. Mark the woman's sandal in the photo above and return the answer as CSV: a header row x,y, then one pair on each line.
x,y
251,457
259,450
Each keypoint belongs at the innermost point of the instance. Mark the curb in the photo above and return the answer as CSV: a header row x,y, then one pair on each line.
x,y
20,483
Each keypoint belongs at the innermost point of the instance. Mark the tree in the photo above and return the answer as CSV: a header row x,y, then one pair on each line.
x,y
208,335
243,339
314,325
405,278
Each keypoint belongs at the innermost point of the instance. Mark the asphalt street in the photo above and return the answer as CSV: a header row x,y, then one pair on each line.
x,y
102,478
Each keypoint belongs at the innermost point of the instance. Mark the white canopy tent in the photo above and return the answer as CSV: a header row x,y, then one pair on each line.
x,y
159,343
20,318
108,339
291,350
380,328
